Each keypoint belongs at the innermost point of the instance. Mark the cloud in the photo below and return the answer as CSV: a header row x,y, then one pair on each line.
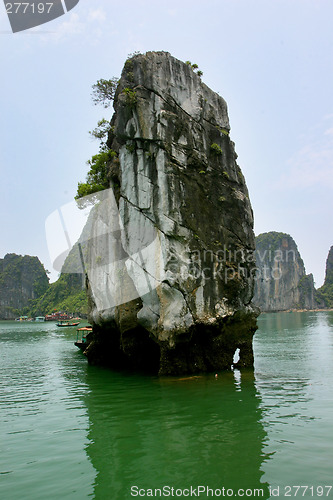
x,y
70,26
329,131
74,23
312,165
97,15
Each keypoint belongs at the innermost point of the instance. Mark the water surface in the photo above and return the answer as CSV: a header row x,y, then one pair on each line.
x,y
72,431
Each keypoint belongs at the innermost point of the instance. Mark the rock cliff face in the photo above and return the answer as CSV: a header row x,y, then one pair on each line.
x,y
324,294
21,279
171,264
329,268
281,282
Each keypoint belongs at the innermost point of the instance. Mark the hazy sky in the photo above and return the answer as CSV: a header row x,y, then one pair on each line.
x,y
272,61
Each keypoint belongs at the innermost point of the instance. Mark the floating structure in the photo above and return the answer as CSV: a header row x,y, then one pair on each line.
x,y
57,316
63,323
81,337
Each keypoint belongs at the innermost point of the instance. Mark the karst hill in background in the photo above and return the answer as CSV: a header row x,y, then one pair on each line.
x,y
281,280
22,279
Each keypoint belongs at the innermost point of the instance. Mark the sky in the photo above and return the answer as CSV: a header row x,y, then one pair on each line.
x,y
271,60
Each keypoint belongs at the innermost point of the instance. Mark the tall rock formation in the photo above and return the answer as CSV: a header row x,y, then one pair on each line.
x,y
22,278
281,283
170,265
329,268
324,294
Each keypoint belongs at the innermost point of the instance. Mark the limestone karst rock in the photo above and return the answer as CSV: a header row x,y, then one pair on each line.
x,y
170,265
281,282
324,294
22,278
329,268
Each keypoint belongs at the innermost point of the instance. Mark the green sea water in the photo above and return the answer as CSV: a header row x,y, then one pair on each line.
x,y
72,431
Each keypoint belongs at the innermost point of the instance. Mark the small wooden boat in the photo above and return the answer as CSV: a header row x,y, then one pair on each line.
x,y
68,323
81,337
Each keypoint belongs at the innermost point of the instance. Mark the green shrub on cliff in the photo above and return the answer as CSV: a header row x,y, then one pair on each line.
x,y
215,149
195,67
131,97
98,175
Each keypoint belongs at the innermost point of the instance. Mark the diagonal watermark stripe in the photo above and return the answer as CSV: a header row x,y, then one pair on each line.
x,y
120,254
25,15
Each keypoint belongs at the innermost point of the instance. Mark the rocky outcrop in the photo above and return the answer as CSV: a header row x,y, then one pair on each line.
x,y
281,282
22,278
68,293
170,263
329,268
324,294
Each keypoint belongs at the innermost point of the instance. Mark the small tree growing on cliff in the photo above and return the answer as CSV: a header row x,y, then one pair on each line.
x,y
98,175
104,91
101,132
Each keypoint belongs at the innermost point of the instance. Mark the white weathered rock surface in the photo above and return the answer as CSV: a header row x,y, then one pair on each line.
x,y
166,293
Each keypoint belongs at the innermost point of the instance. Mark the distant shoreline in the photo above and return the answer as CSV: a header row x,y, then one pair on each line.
x,y
296,310
261,312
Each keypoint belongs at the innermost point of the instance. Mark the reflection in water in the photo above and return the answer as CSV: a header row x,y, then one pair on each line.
x,y
294,374
153,432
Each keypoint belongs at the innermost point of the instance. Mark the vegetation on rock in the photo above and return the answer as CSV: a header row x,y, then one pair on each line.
x,y
216,149
104,91
131,97
98,177
195,68
66,294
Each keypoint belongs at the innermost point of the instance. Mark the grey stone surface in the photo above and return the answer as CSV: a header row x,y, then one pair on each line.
x,y
281,283
174,286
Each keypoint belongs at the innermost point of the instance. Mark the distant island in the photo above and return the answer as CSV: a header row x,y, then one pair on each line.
x,y
23,280
281,283
25,290
324,294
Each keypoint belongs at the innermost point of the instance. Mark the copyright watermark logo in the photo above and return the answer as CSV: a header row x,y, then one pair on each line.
x,y
117,248
25,15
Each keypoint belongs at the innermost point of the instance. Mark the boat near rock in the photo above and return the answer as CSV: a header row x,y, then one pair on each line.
x,y
68,323
81,337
